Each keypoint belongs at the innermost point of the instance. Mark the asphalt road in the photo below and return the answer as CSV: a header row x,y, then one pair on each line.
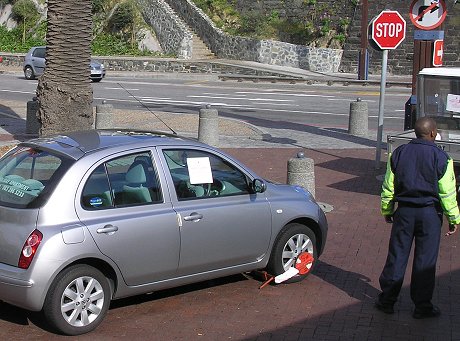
x,y
262,104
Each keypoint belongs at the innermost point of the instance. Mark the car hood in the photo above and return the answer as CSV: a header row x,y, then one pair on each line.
x,y
15,227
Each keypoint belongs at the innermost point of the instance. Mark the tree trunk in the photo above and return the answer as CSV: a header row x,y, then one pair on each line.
x,y
64,91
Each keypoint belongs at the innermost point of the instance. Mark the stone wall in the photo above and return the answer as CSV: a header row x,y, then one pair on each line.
x,y
14,61
400,60
174,36
263,51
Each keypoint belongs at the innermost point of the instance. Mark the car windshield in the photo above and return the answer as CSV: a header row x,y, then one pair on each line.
x,y
28,175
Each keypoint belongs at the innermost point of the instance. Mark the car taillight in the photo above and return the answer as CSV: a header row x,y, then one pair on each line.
x,y
29,249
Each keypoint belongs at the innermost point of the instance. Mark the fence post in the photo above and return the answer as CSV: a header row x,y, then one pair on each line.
x,y
208,127
301,172
104,116
358,123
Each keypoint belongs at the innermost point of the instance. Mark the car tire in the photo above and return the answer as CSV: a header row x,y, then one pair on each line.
x,y
77,300
292,240
29,73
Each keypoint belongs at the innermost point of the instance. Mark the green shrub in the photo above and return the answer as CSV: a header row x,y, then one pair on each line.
x,y
111,45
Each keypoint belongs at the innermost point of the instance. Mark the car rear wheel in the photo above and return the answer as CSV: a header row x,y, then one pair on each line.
x,y
292,241
78,300
29,72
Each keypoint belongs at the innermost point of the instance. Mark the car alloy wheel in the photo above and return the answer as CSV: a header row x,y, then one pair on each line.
x,y
291,242
29,73
77,300
82,301
297,244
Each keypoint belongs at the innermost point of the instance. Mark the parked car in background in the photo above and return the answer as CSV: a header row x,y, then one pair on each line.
x,y
34,65
91,216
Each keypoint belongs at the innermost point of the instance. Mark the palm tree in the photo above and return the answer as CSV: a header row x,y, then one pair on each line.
x,y
64,91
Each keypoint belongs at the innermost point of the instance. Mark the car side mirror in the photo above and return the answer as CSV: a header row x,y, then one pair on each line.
x,y
259,186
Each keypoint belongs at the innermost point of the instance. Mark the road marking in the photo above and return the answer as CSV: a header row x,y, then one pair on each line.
x,y
283,94
236,106
18,92
240,98
121,89
11,116
196,82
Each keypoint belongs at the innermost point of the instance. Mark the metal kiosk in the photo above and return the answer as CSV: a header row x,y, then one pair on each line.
x,y
438,96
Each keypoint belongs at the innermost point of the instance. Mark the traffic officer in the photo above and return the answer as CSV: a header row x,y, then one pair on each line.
x,y
420,179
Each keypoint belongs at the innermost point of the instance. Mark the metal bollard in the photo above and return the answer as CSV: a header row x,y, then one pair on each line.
x,y
301,172
208,127
358,124
104,116
32,122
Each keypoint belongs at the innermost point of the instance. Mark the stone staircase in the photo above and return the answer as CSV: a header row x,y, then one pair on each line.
x,y
200,50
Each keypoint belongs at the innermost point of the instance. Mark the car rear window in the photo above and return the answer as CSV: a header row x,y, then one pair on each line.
x,y
28,175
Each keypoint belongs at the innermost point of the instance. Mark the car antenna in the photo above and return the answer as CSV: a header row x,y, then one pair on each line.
x,y
146,107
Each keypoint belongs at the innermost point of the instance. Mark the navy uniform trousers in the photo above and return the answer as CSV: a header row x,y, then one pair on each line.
x,y
422,225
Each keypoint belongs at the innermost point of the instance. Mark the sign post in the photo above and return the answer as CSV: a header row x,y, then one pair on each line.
x,y
387,31
426,16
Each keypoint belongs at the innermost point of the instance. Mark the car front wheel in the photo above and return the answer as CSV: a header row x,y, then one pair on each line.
x,y
29,72
292,241
78,300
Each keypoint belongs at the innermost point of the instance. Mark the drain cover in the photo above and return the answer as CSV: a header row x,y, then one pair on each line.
x,y
325,207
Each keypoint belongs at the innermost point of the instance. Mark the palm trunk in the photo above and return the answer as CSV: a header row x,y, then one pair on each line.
x,y
64,91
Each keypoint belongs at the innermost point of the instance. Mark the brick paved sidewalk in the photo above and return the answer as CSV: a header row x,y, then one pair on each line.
x,y
334,303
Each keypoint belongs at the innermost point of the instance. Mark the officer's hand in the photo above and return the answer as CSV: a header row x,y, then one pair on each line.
x,y
389,219
452,229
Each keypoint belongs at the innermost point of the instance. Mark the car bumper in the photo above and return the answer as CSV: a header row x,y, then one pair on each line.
x,y
19,289
97,74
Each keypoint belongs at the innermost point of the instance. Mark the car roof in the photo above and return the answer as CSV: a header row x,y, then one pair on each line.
x,y
79,143
442,71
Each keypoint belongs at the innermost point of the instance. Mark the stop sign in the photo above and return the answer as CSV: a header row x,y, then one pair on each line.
x,y
388,30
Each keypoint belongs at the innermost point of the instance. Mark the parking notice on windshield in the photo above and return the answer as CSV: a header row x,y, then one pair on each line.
x,y
453,103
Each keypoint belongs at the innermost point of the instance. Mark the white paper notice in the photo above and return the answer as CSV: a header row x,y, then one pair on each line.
x,y
199,169
453,103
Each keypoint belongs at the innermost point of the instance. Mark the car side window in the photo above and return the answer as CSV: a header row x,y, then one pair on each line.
x,y
198,174
39,53
124,181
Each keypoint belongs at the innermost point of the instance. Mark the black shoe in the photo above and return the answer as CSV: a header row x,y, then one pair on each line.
x,y
386,308
426,313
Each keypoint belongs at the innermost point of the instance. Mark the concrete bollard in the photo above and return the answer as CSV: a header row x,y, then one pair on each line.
x,y
104,116
301,172
32,122
358,123
208,127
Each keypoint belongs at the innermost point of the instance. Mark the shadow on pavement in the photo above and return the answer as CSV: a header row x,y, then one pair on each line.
x,y
12,123
340,134
157,295
353,284
364,174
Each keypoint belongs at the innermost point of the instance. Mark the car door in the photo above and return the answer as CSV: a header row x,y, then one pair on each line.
x,y
222,223
130,218
38,60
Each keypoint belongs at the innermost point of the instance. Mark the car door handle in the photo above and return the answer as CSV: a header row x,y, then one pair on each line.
x,y
194,217
109,229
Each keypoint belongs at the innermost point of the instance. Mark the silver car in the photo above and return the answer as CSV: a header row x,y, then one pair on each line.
x,y
93,216
34,65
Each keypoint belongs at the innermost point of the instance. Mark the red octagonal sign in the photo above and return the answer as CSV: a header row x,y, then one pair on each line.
x,y
388,30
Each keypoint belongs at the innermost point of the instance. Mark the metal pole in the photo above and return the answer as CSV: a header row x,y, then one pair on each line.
x,y
362,73
383,82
